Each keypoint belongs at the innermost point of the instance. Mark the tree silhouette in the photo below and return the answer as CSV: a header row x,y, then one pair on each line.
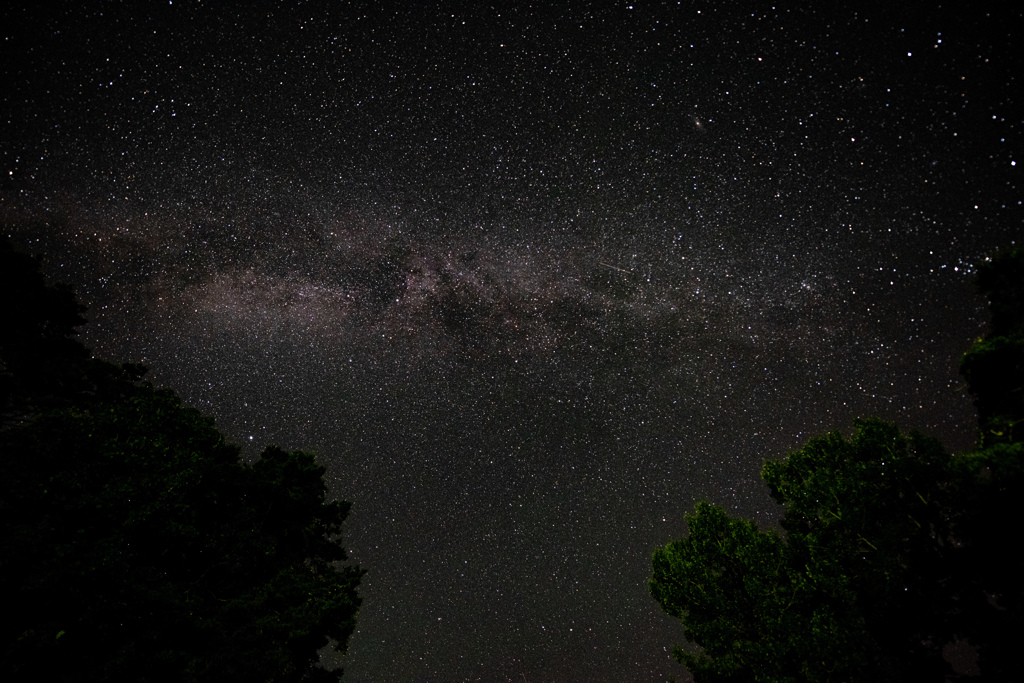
x,y
993,477
136,545
39,358
892,547
849,594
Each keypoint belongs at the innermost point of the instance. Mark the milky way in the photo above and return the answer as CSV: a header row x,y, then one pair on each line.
x,y
530,281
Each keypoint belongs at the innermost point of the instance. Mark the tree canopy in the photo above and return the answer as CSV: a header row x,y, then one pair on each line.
x,y
892,547
39,358
135,544
989,516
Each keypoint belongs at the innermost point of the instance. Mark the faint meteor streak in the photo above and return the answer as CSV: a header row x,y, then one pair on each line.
x,y
608,265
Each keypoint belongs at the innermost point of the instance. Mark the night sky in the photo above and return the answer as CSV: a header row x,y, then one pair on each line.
x,y
530,279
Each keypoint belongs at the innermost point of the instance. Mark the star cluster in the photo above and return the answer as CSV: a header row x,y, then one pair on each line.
x,y
531,280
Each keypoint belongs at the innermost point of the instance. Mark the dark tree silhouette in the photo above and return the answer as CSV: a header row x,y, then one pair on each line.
x,y
892,547
135,545
993,477
851,593
39,358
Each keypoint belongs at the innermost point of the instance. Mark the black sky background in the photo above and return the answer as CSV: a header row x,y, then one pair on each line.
x,y
530,279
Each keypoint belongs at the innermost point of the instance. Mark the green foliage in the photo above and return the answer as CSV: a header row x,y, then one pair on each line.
x,y
893,548
728,584
866,533
994,368
135,545
844,596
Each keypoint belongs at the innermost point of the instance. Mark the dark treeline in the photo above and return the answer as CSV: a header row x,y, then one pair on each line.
x,y
893,549
134,543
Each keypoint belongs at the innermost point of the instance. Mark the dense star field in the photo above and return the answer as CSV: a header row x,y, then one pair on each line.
x,y
530,279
